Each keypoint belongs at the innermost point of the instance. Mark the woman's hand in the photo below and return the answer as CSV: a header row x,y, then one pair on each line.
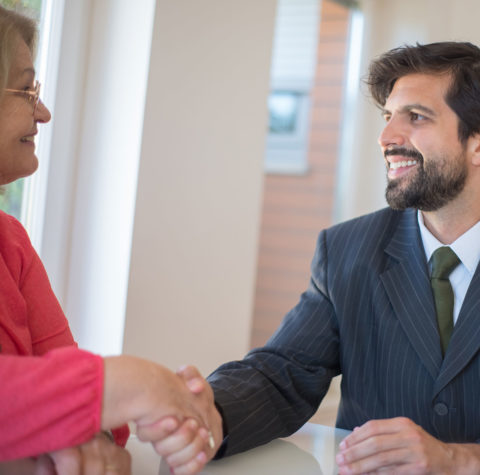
x,y
28,466
98,456
186,446
176,412
145,392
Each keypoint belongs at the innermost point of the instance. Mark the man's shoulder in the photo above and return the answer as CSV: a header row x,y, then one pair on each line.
x,y
377,221
362,240
368,233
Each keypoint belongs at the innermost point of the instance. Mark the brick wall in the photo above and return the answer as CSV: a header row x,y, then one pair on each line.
x,y
296,208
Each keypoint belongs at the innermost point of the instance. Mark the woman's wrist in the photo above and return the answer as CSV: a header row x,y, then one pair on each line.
x,y
125,390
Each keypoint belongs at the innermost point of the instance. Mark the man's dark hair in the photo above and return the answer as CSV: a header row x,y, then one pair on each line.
x,y
461,60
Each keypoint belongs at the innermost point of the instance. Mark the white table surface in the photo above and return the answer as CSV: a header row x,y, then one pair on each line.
x,y
309,451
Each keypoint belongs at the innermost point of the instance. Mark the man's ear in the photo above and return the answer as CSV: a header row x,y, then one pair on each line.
x,y
473,148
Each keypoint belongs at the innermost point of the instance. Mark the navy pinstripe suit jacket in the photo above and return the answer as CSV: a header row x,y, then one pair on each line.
x,y
368,314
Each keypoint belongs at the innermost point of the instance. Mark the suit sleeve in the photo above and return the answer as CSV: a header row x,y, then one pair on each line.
x,y
274,390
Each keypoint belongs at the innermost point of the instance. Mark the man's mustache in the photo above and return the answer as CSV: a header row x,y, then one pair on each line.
x,y
405,152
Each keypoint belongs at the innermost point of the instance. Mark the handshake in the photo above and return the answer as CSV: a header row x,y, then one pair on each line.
x,y
173,411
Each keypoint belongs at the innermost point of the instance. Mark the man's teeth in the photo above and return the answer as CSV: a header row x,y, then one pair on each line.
x,y
31,138
405,163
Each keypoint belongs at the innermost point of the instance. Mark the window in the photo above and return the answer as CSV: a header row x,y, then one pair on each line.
x,y
288,113
25,199
283,109
292,75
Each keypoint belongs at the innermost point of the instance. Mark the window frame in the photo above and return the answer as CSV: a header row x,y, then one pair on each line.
x,y
46,64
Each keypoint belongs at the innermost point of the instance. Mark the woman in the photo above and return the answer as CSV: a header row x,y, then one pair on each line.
x,y
53,395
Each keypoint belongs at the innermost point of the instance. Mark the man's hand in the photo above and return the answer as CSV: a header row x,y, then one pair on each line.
x,y
400,446
186,446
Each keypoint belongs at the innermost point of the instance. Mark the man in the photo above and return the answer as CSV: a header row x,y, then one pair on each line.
x,y
410,387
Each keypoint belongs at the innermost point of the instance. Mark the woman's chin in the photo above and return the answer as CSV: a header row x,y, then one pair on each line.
x,y
10,176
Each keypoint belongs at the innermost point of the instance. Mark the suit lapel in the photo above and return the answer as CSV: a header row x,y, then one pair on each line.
x,y
408,288
465,340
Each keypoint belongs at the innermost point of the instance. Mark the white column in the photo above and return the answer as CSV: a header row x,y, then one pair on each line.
x,y
193,262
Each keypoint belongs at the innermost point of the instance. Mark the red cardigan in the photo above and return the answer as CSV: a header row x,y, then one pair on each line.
x,y
51,396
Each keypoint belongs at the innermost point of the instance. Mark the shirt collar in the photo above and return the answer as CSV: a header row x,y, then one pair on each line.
x,y
466,246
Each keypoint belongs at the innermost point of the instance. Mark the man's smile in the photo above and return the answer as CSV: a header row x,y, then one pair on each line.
x,y
401,164
401,160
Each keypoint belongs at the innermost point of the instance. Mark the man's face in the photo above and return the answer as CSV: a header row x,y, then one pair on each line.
x,y
426,162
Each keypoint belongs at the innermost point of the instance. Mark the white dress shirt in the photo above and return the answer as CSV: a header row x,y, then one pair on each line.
x,y
467,248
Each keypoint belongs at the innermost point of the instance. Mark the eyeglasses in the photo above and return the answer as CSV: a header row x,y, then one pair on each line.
x,y
33,97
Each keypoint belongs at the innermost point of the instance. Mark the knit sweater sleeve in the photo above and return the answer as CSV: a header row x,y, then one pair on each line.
x,y
49,402
32,324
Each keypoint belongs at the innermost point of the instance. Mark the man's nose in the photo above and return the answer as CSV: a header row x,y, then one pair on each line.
x,y
392,134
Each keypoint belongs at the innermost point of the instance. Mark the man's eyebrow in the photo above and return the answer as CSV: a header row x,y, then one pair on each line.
x,y
410,107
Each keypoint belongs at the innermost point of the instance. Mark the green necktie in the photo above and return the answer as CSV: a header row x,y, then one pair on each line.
x,y
444,260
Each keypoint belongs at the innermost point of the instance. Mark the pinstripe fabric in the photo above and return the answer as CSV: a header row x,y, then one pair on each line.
x,y
369,314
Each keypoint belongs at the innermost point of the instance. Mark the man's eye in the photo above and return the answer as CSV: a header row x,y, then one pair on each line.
x,y
415,116
386,117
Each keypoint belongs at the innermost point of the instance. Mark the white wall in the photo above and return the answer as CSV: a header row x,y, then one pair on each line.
x,y
200,182
388,24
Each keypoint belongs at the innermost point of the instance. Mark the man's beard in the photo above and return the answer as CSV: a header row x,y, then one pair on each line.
x,y
430,186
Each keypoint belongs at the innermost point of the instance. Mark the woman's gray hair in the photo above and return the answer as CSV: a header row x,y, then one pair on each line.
x,y
12,26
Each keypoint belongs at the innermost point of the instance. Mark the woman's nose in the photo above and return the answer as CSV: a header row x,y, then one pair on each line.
x,y
42,114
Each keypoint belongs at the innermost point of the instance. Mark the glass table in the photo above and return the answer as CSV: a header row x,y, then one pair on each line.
x,y
309,451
